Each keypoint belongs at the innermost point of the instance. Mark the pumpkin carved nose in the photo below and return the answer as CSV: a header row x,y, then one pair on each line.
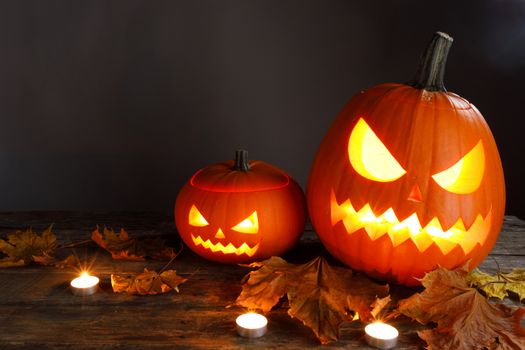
x,y
219,234
415,194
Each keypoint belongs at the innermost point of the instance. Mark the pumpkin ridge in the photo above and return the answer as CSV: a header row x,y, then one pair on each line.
x,y
271,185
467,105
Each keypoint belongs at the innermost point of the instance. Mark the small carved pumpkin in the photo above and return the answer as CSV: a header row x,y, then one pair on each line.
x,y
408,178
240,211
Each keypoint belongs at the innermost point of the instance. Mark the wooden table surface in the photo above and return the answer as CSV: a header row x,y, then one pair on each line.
x,y
37,310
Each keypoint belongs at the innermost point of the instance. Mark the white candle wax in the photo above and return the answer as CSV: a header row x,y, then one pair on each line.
x,y
381,335
85,284
251,325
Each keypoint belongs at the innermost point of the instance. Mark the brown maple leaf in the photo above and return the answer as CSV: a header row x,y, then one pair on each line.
x,y
122,247
320,295
49,260
465,319
147,282
21,247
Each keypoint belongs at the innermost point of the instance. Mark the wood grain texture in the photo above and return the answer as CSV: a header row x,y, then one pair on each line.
x,y
37,310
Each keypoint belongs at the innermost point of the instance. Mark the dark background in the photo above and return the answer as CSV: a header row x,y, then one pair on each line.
x,y
112,105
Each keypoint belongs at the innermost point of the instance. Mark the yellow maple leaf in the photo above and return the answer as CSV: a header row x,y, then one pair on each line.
x,y
500,284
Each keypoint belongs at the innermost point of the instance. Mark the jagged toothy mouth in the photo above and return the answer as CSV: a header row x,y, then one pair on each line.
x,y
387,223
225,249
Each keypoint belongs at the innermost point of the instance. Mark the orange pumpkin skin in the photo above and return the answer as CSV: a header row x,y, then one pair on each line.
x,y
364,222
226,197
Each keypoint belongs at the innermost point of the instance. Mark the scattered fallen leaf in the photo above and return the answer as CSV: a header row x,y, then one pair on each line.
x,y
465,319
48,260
8,262
21,247
147,282
379,306
122,247
499,285
320,295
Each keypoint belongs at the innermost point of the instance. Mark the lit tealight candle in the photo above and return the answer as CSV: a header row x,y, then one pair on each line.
x,y
85,284
381,335
251,325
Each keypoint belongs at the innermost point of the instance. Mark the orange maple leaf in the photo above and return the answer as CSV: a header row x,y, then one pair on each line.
x,y
21,247
320,295
49,260
147,282
122,247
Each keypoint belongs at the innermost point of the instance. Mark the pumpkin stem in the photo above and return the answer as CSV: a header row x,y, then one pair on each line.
x,y
429,75
241,160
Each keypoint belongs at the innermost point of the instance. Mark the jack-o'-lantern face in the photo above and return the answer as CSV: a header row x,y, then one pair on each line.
x,y
239,211
241,238
372,160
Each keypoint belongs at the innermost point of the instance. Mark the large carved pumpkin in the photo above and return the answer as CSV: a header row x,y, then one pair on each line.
x,y
240,211
408,178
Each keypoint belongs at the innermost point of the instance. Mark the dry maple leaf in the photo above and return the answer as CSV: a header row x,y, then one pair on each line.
x,y
122,247
465,319
147,282
49,260
500,284
320,295
22,246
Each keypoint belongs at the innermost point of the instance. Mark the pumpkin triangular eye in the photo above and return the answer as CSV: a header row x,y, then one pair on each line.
x,y
465,176
195,217
249,225
370,157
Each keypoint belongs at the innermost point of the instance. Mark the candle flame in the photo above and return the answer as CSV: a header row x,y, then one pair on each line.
x,y
380,330
252,320
85,281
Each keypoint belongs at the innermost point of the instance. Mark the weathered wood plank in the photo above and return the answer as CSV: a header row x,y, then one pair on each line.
x,y
37,309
